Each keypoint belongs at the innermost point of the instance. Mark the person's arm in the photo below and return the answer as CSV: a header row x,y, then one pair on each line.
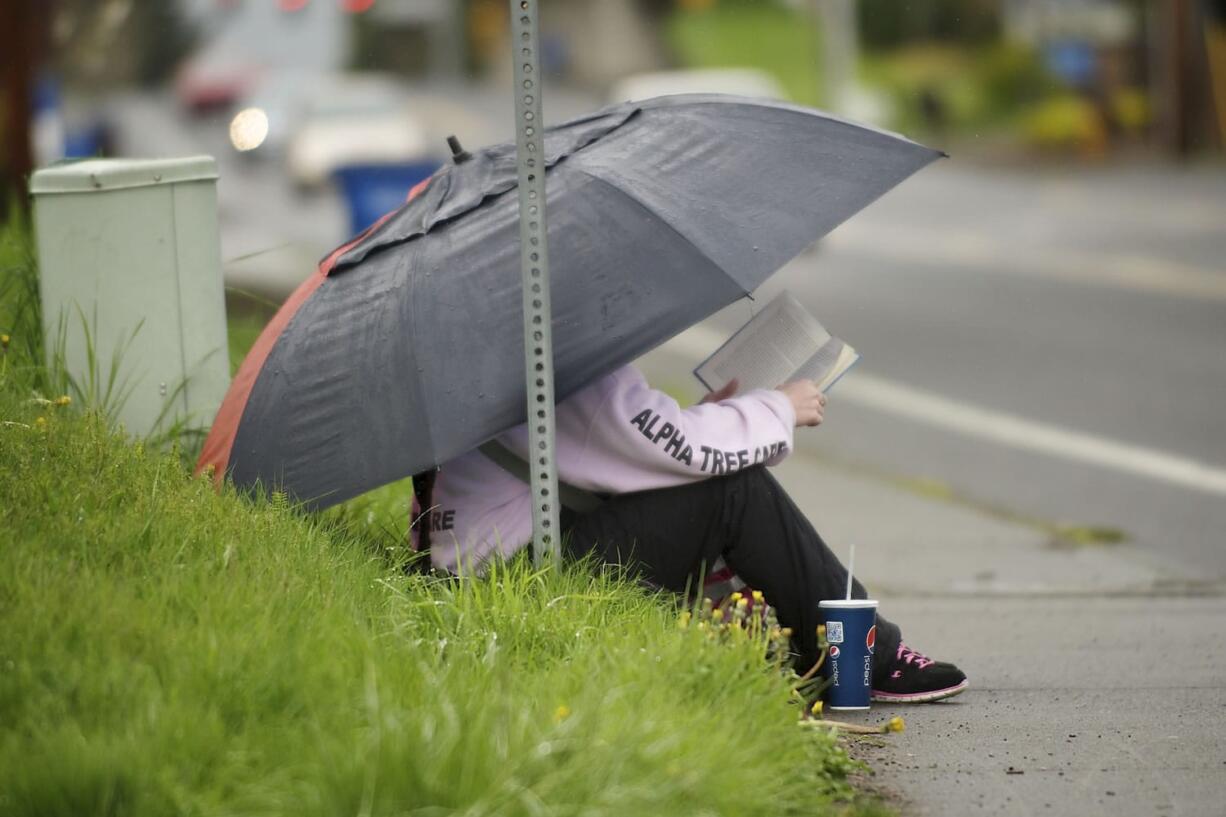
x,y
640,438
807,399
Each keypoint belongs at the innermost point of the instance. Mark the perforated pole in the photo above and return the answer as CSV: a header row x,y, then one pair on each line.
x,y
534,261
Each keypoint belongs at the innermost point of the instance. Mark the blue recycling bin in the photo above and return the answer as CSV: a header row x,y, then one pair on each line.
x,y
373,190
86,141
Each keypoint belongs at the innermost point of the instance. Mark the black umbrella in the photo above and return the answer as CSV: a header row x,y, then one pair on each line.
x,y
406,348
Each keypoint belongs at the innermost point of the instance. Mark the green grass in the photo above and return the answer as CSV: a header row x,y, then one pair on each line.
x,y
20,308
244,328
165,648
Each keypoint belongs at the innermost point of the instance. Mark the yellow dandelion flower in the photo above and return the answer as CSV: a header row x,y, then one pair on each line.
x,y
717,614
896,724
40,423
4,341
561,713
684,620
816,709
735,597
786,632
63,400
757,597
742,603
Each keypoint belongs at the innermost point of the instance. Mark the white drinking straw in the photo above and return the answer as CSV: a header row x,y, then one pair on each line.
x,y
851,564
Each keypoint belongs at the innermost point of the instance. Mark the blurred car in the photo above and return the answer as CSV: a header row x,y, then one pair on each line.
x,y
354,120
208,83
281,97
739,81
443,115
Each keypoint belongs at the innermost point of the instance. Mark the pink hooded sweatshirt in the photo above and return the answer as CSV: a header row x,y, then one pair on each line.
x,y
614,436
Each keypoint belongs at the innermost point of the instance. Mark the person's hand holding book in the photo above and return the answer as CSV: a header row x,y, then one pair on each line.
x,y
808,401
783,343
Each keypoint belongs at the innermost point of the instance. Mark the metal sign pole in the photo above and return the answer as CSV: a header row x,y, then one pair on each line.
x,y
534,261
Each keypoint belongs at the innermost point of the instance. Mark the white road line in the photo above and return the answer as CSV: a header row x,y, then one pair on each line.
x,y
865,389
984,255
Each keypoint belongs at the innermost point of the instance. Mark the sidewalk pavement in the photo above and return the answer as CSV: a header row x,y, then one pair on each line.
x,y
1098,681
1098,686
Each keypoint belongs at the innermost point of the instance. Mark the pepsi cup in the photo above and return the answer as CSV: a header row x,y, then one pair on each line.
x,y
851,631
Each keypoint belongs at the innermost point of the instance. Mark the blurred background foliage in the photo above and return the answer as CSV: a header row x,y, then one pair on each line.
x,y
1001,73
1015,78
886,24
100,44
778,38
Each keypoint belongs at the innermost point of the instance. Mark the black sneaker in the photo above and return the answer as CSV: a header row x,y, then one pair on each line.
x,y
912,678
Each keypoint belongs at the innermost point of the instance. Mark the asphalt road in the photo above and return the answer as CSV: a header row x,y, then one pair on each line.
x,y
1051,340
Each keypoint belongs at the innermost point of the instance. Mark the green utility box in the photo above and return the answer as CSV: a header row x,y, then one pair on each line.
x,y
131,282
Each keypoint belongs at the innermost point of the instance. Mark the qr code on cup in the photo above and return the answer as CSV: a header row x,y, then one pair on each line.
x,y
834,632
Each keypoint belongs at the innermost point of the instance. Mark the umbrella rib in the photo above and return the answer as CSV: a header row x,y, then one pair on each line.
x,y
642,205
416,303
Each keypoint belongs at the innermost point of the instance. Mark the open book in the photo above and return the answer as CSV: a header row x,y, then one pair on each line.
x,y
781,343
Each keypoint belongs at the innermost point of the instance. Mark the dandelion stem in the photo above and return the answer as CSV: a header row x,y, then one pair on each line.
x,y
850,728
813,670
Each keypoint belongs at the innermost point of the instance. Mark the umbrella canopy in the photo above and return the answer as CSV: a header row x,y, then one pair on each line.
x,y
405,349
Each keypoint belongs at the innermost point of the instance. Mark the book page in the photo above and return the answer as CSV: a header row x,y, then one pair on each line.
x,y
768,350
828,363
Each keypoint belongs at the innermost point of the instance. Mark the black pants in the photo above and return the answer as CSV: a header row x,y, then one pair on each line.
x,y
667,536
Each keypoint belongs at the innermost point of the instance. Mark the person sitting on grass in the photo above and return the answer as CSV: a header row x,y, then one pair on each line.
x,y
680,489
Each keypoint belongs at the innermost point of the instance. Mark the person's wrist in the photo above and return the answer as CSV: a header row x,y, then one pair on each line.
x,y
785,402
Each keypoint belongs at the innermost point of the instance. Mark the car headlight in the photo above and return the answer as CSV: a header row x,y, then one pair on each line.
x,y
248,129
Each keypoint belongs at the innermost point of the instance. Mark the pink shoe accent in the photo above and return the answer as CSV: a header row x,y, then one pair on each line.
x,y
919,697
908,655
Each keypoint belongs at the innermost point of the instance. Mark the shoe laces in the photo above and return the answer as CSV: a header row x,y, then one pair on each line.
x,y
908,656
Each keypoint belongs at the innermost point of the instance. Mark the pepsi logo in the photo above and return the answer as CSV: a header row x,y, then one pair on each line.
x,y
834,651
870,640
